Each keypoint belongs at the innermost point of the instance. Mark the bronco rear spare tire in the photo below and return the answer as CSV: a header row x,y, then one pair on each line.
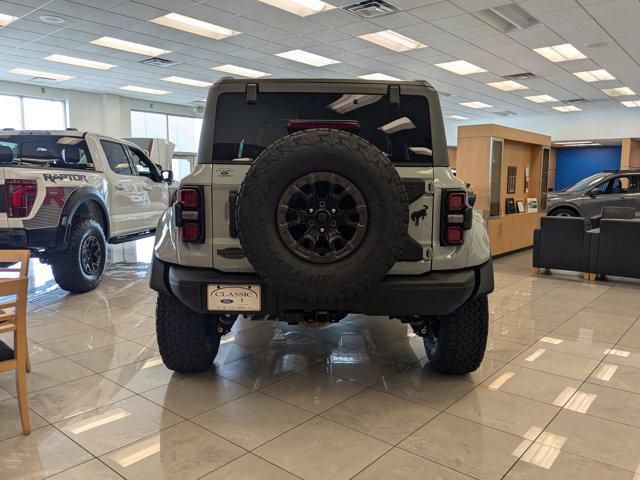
x,y
322,215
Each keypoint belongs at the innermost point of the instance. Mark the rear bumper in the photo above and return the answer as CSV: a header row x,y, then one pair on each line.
x,y
13,238
435,293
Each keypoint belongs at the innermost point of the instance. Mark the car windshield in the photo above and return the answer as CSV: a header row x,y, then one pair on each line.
x,y
243,130
45,151
587,183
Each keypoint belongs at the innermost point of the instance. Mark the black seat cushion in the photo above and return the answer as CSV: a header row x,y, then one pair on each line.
x,y
618,212
6,352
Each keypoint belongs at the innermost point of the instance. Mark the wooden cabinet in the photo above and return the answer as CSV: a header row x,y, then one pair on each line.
x,y
486,155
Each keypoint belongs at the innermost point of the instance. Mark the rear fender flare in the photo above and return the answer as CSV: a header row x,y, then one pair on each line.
x,y
73,203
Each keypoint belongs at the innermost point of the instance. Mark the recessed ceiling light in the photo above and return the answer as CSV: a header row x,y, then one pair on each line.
x,y
53,20
560,53
542,98
307,57
508,85
241,71
301,8
150,91
461,67
187,81
80,62
6,19
392,40
476,105
618,92
195,26
595,76
567,108
458,117
38,73
631,103
378,76
126,46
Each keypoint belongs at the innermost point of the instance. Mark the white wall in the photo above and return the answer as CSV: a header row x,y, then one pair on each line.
x,y
569,126
104,113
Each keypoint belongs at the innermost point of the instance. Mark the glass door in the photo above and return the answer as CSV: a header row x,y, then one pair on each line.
x,y
495,176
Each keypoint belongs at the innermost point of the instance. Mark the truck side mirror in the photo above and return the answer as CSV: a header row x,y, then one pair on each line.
x,y
167,176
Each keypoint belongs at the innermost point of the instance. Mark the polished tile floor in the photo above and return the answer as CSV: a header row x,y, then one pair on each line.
x,y
558,395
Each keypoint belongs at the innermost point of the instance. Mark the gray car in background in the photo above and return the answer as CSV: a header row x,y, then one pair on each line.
x,y
610,188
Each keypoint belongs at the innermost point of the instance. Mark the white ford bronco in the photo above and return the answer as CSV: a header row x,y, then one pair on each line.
x,y
314,199
65,194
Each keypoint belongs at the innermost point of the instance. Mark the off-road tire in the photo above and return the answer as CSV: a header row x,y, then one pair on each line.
x,y
462,338
187,340
66,264
357,161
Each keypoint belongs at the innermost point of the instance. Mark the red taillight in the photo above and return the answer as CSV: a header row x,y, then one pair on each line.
x,y
456,201
189,197
189,218
190,232
350,126
20,196
454,235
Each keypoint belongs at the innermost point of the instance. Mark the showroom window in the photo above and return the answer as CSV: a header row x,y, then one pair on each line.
x,y
26,113
183,131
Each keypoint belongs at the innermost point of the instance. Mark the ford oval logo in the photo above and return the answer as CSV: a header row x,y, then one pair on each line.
x,y
226,300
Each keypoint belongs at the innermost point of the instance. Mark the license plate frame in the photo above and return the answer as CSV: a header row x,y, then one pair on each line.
x,y
225,297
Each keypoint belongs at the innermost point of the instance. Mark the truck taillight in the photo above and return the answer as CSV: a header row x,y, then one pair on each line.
x,y
456,217
19,197
189,214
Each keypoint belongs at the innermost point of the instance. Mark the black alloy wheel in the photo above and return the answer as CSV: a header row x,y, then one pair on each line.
x,y
322,217
91,255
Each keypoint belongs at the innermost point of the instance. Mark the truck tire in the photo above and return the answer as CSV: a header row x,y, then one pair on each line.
x,y
79,268
455,343
322,215
187,340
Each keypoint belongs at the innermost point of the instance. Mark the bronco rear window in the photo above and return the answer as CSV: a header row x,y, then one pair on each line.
x,y
243,131
45,151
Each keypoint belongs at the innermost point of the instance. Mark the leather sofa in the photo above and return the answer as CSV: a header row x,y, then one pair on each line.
x,y
628,213
561,243
614,249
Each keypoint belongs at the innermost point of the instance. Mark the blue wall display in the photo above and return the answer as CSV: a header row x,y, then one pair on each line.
x,y
575,163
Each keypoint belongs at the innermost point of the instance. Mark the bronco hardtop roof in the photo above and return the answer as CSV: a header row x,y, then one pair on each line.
x,y
320,81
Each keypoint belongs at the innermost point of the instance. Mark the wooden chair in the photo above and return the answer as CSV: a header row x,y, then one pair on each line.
x,y
13,318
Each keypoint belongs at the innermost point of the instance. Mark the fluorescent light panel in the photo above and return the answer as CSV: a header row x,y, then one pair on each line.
x,y
378,76
241,71
542,98
195,26
508,86
150,91
392,40
131,47
302,8
560,53
307,57
631,103
461,67
476,105
567,108
38,73
79,62
187,81
458,117
594,76
618,92
6,19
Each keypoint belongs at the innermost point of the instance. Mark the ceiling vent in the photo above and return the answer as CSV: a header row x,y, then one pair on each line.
x,y
520,76
444,94
157,62
507,18
44,81
506,113
575,100
371,8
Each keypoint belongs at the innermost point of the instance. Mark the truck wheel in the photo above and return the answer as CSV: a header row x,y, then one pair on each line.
x,y
455,343
188,341
79,268
563,212
322,215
